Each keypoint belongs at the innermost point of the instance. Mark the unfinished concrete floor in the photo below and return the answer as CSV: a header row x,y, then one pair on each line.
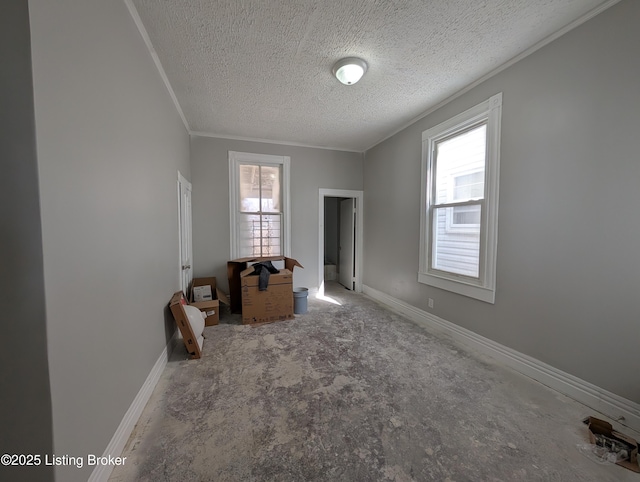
x,y
353,392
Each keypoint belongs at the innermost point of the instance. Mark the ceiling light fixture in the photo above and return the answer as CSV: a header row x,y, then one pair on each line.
x,y
349,70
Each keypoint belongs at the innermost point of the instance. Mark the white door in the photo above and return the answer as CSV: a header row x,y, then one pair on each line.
x,y
184,225
347,243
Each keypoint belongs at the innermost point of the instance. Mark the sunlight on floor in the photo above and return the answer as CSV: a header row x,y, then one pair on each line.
x,y
321,296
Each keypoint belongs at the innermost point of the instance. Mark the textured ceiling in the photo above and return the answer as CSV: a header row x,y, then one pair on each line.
x,y
261,69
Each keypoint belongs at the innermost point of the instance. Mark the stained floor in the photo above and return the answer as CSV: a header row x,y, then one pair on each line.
x,y
353,392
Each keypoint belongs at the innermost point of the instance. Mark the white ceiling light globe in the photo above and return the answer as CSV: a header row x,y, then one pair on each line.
x,y
349,70
349,74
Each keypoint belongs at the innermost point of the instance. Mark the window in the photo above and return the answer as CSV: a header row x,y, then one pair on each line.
x,y
459,214
259,190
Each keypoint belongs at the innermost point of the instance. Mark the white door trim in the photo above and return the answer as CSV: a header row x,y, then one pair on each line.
x,y
359,197
184,224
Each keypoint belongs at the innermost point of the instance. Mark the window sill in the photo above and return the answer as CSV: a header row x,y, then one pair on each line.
x,y
466,289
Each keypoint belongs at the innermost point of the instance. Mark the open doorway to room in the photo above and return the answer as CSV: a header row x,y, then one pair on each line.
x,y
340,240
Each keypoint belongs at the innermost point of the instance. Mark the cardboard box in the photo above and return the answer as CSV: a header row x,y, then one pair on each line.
x,y
237,266
176,305
210,307
273,304
203,285
601,433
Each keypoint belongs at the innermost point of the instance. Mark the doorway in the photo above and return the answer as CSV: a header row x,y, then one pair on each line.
x,y
340,238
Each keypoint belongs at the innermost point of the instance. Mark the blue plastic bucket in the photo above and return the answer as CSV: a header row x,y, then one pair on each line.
x,y
300,296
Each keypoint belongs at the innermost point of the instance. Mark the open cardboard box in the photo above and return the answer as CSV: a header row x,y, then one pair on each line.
x,y
237,266
177,310
209,298
273,304
598,428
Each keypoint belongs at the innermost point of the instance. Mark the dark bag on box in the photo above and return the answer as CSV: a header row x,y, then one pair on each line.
x,y
263,270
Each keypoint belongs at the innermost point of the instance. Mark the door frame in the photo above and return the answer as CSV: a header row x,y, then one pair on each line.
x,y
183,183
344,193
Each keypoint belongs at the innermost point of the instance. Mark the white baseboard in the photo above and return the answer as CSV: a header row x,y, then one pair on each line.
x,y
613,406
102,472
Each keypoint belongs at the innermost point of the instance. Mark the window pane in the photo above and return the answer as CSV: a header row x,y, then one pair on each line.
x,y
468,186
460,162
248,225
466,216
270,179
452,250
271,235
260,235
260,189
249,188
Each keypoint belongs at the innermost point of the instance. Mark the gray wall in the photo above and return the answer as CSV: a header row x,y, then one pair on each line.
x,y
25,397
311,169
109,144
568,273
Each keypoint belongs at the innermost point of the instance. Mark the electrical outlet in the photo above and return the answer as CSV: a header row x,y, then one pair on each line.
x,y
430,302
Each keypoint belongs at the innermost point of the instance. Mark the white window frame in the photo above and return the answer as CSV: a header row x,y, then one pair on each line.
x,y
236,159
484,287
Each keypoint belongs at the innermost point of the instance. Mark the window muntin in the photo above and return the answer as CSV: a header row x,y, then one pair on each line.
x,y
460,192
